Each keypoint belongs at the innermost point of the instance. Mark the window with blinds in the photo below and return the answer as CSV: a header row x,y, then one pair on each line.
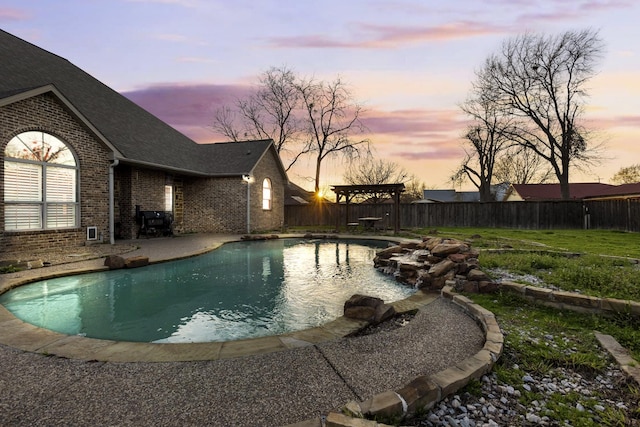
x,y
40,180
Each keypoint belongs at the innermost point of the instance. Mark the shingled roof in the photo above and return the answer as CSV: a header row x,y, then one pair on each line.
x,y
578,190
136,135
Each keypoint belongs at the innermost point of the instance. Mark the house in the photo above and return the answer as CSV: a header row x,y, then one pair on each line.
x,y
539,192
448,195
296,195
78,161
619,192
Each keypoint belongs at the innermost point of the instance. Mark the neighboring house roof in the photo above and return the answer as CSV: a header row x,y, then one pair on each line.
x,y
136,135
578,190
296,195
444,196
622,191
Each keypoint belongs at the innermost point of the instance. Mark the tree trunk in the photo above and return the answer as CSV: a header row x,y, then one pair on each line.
x,y
318,163
485,192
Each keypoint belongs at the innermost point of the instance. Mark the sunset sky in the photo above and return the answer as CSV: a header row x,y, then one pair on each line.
x,y
409,62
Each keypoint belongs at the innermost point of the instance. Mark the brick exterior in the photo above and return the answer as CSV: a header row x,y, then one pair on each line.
x,y
136,187
200,204
220,204
45,113
268,220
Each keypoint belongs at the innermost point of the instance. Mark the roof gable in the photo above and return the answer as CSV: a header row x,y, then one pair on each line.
x,y
135,135
19,95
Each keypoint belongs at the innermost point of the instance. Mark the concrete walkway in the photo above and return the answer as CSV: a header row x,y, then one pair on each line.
x,y
279,381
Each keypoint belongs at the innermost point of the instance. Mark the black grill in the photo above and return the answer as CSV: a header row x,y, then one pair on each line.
x,y
154,223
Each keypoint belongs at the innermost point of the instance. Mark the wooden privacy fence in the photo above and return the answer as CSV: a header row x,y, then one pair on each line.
x,y
606,214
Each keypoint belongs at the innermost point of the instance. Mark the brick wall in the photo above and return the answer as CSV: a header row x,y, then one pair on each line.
x,y
220,204
267,220
178,205
137,187
216,205
45,113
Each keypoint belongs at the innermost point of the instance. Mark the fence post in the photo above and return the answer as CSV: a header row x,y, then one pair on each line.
x,y
587,217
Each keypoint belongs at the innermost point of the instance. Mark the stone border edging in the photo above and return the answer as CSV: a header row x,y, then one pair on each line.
x,y
620,354
425,391
573,301
563,300
27,337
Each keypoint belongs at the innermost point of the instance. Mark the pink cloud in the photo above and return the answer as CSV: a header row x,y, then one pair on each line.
x,y
381,36
614,122
571,10
188,108
415,134
445,153
598,6
429,147
9,14
413,122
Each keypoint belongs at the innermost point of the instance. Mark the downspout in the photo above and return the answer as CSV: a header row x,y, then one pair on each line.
x,y
248,179
112,166
248,207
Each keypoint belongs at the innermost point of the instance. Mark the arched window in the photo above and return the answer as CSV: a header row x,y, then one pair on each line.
x,y
40,183
266,194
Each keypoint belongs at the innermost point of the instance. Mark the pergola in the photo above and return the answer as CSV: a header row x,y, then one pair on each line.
x,y
350,191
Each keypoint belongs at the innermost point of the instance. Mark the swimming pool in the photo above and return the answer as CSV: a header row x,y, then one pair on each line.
x,y
241,290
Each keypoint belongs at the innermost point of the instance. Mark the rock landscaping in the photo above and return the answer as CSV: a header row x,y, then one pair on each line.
x,y
449,265
432,263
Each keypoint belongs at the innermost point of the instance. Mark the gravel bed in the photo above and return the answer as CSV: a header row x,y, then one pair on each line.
x,y
496,403
500,404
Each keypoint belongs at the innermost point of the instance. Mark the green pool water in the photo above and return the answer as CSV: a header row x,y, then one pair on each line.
x,y
240,290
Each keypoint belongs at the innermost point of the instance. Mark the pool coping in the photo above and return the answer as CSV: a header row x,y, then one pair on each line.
x,y
25,336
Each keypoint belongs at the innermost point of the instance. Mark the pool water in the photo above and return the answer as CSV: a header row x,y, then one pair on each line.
x,y
240,290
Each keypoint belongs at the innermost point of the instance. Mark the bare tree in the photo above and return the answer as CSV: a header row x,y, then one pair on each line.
x,y
485,140
302,117
413,189
270,113
542,81
369,171
332,119
627,175
518,165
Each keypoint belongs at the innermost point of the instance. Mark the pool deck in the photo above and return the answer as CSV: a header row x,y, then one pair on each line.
x,y
48,378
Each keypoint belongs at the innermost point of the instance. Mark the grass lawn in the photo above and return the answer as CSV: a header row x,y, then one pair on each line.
x,y
539,339
597,242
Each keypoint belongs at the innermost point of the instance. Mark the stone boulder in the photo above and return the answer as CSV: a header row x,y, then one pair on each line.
x,y
441,268
367,308
114,262
487,287
429,265
368,314
384,312
358,300
477,275
444,249
424,280
389,252
35,264
136,261
431,242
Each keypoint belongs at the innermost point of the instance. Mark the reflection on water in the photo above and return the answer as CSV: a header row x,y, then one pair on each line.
x,y
241,290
